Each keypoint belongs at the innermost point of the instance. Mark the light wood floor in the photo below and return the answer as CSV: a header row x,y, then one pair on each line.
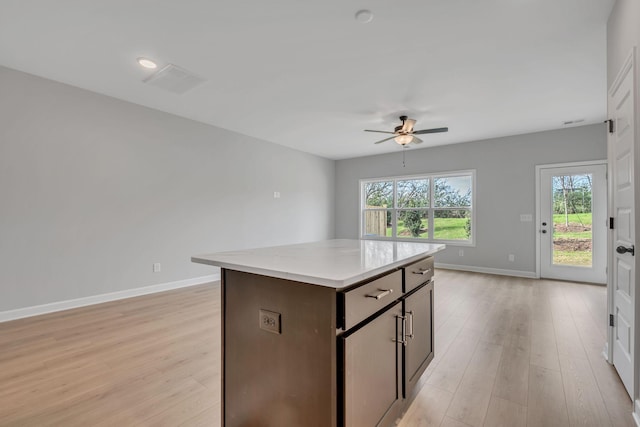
x,y
509,352
519,352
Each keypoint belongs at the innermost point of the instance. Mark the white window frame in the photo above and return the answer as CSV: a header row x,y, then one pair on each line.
x,y
394,209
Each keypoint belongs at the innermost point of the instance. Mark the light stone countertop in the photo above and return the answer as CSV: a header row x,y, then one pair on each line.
x,y
332,263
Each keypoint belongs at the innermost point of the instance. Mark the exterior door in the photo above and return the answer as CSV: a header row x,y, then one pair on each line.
x,y
572,222
621,244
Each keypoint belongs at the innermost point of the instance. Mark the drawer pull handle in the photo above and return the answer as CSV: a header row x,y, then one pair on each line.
x,y
383,293
423,272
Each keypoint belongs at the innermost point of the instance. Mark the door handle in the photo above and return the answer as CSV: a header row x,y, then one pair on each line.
x,y
543,230
623,250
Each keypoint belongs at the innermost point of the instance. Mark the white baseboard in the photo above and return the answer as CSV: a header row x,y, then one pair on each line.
x,y
636,412
498,271
37,310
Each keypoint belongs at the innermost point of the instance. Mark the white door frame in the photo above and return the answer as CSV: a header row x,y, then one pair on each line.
x,y
538,218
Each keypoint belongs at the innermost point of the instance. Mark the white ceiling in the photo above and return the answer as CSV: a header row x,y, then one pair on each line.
x,y
307,75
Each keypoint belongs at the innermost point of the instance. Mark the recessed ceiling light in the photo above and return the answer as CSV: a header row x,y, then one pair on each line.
x,y
147,63
364,16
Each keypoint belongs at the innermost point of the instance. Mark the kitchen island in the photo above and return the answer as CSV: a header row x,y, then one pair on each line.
x,y
328,334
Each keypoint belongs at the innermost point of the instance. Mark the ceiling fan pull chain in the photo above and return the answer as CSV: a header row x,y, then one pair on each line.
x,y
403,149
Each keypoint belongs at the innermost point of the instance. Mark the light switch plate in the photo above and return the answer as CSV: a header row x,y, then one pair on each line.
x,y
270,321
526,217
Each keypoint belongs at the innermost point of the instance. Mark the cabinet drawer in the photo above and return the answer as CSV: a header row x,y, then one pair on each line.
x,y
417,273
365,300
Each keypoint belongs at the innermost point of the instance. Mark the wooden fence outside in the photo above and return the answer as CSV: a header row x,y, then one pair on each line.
x,y
375,221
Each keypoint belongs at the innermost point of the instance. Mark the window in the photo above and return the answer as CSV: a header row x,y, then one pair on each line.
x,y
432,208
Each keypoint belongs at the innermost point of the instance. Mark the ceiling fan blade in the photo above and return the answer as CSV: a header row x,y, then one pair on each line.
x,y
383,140
416,140
436,130
407,126
379,131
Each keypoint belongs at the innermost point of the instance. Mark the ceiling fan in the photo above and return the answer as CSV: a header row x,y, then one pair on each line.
x,y
404,134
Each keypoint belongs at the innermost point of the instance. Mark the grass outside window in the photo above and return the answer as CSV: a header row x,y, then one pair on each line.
x,y
421,208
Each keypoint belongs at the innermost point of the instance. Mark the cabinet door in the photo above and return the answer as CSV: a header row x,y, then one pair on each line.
x,y
418,353
371,371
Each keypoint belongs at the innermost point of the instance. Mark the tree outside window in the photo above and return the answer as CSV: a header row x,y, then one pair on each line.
x,y
424,208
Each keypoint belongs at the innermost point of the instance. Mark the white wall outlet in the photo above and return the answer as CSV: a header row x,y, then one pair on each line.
x,y
526,217
461,252
157,268
276,194
512,257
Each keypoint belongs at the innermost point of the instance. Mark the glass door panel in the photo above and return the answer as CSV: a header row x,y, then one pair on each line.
x,y
572,220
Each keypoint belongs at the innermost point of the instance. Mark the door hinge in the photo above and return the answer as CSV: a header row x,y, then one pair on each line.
x,y
611,125
611,222
611,320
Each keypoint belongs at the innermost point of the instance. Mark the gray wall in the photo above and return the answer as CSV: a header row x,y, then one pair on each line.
x,y
94,190
504,181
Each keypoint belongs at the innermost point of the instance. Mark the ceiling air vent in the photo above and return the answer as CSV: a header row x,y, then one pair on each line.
x,y
174,79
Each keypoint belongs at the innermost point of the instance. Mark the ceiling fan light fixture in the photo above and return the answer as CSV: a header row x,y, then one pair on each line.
x,y
405,133
403,139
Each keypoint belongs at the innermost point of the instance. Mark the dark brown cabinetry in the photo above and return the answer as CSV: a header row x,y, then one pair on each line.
x,y
417,273
418,351
372,387
385,356
324,357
